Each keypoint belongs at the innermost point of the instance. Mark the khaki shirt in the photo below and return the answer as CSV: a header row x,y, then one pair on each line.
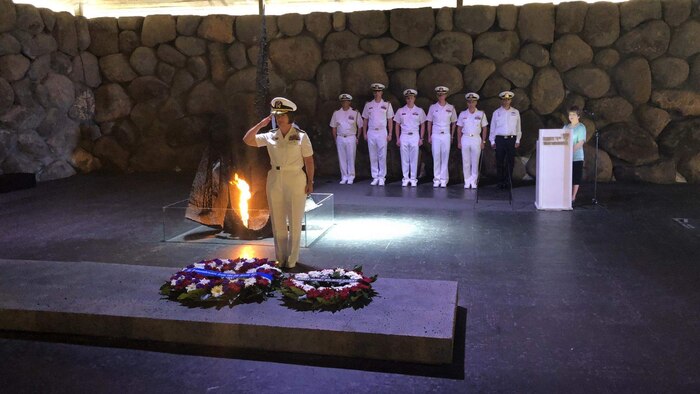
x,y
286,152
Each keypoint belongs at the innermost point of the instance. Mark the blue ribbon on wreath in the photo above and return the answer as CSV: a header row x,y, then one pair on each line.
x,y
226,275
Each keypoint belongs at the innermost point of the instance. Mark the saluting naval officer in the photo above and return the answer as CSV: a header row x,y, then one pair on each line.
x,y
441,129
505,138
471,136
290,151
377,115
345,123
410,127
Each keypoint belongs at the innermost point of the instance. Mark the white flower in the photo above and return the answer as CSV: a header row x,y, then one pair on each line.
x,y
340,271
191,287
301,276
353,275
307,287
252,271
251,260
267,266
238,266
217,291
327,272
204,281
198,265
249,282
173,282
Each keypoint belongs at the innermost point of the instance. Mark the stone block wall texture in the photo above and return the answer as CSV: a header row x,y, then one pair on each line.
x,y
139,93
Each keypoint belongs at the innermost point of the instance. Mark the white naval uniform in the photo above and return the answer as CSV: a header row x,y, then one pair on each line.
x,y
346,123
286,188
441,118
377,114
410,120
505,123
471,124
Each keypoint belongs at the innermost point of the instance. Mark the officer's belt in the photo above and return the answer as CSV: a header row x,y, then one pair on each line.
x,y
408,132
346,135
286,168
506,136
470,135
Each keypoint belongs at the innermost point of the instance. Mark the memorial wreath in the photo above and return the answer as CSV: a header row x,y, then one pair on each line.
x,y
329,289
222,282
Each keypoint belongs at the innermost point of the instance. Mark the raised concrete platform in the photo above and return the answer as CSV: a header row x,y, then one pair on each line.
x,y
409,320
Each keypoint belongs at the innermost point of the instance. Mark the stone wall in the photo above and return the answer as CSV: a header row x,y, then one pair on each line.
x,y
137,94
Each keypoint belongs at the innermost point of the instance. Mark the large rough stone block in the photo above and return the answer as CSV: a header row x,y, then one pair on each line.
x,y
676,11
476,73
82,28
689,167
304,95
379,46
536,23
65,33
452,47
303,65
144,60
158,29
104,36
35,46
650,40
7,95
634,12
219,28
318,24
414,27
341,45
170,55
359,73
410,58
474,19
133,23
111,153
60,91
444,19
204,98
29,19
198,67
328,80
111,103
507,16
84,161
402,80
236,55
148,88
58,169
13,67
248,28
494,85
681,139
571,16
49,18
629,142
517,71
191,46
633,80
129,40
547,91
611,109
116,68
684,101
187,25
534,55
339,21
570,51
653,119
439,74
8,15
368,23
663,172
694,75
607,58
243,81
290,24
684,42
588,81
9,45
669,72
498,46
602,25
90,69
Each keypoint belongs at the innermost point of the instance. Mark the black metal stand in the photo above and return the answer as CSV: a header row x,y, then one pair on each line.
x,y
594,201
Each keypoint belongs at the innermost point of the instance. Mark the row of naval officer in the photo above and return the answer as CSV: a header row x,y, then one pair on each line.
x,y
378,124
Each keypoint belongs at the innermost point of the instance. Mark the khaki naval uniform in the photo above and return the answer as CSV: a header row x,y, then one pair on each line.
x,y
286,188
441,118
410,120
377,114
471,125
346,123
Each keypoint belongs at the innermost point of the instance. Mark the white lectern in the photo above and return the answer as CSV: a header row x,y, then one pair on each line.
x,y
554,166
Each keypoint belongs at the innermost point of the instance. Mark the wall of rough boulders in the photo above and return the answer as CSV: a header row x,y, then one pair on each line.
x,y
138,94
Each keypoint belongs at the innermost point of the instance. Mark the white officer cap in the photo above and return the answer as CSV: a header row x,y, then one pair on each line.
x,y
442,89
345,97
281,105
377,86
471,96
506,94
410,92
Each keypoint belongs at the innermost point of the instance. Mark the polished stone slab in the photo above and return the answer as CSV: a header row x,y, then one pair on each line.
x,y
409,320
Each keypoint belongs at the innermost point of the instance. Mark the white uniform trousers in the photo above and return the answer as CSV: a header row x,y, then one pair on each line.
x,y
441,155
346,155
377,153
409,155
286,197
471,151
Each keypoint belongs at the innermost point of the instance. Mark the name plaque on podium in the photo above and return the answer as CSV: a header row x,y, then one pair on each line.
x,y
554,167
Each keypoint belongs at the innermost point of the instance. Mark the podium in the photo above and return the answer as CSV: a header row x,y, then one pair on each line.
x,y
554,167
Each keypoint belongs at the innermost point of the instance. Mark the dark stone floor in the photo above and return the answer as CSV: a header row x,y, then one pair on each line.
x,y
599,299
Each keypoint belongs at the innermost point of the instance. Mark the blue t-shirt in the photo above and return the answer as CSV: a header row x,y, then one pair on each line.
x,y
578,133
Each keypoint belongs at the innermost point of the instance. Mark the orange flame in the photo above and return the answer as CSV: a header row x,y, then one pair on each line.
x,y
245,195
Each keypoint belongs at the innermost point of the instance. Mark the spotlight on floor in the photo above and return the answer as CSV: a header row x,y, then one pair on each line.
x,y
372,229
